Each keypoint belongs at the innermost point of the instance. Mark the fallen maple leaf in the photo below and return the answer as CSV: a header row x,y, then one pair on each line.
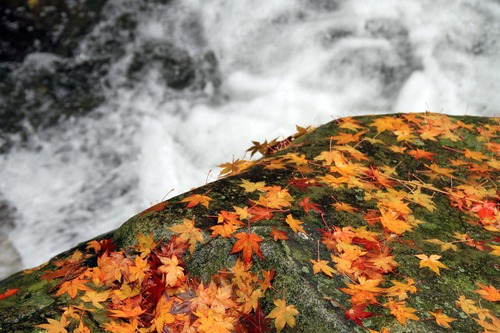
x,y
248,243
256,322
72,287
295,224
431,262
55,326
251,186
307,205
467,305
188,233
356,313
278,234
8,293
171,267
442,319
401,312
195,199
127,311
96,298
475,155
322,265
420,153
489,293
444,245
283,314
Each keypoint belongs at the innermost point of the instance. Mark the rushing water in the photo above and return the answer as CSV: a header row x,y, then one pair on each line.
x,y
261,67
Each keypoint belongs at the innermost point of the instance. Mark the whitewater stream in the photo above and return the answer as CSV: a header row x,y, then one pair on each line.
x,y
248,70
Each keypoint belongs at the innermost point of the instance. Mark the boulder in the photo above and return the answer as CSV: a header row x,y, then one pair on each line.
x,y
383,223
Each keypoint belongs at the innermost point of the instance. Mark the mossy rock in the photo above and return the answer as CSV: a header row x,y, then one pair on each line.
x,y
403,207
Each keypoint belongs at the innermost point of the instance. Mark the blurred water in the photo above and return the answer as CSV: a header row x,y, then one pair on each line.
x,y
261,68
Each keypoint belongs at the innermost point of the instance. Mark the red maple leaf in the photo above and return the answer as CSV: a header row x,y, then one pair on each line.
x,y
356,313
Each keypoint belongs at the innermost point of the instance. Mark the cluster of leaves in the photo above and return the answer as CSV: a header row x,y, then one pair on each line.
x,y
147,288
364,256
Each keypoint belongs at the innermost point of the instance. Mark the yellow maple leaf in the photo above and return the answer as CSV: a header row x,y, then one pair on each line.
x,y
330,157
213,322
251,186
322,265
55,326
444,245
145,244
283,314
467,305
295,224
401,290
342,206
81,328
188,233
96,298
422,199
475,155
431,262
172,270
496,250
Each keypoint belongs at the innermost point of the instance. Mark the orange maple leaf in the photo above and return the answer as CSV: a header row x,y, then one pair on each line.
x,y
363,292
162,314
489,293
390,219
283,314
420,153
275,198
72,287
127,311
268,276
224,230
401,312
345,207
195,199
431,262
248,243
442,319
343,138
